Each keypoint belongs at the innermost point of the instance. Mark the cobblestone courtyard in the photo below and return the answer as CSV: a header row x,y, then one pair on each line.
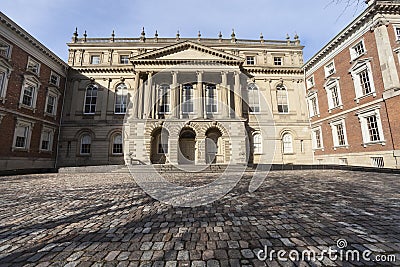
x,y
93,219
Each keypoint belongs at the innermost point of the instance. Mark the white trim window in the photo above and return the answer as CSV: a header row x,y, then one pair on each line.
x,y
5,72
85,144
29,92
121,99
95,59
54,79
278,61
90,99
313,106
117,147
250,60
5,49
339,134
164,98
51,101
357,50
46,140
371,127
282,98
310,82
3,79
187,98
317,140
254,98
211,99
397,32
334,96
33,66
257,143
124,59
22,135
361,73
287,143
330,69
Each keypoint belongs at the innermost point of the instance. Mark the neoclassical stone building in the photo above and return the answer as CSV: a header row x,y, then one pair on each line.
x,y
185,101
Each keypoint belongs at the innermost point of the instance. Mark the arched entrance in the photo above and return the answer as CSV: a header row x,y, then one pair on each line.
x,y
187,144
213,146
159,146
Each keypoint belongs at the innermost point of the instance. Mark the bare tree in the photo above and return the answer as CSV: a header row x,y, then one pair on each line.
x,y
356,4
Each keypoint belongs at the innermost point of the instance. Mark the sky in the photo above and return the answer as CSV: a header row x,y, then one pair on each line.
x,y
52,22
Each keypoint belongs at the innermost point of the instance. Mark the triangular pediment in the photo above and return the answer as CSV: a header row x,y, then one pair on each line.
x,y
187,51
358,64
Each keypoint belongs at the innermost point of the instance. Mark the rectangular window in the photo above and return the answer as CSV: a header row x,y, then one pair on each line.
x,y
121,99
343,161
254,98
397,31
2,82
310,82
54,79
211,99
5,49
314,106
330,69
187,101
340,135
95,60
21,138
365,82
28,95
377,162
282,100
257,143
278,61
335,96
373,129
317,136
46,140
33,66
164,98
357,50
250,60
51,102
124,59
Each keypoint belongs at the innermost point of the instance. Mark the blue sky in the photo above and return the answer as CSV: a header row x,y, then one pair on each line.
x,y
53,21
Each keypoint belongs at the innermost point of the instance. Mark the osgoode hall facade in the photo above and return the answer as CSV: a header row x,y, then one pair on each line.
x,y
198,101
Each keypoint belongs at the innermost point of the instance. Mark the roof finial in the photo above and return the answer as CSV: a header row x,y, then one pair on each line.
x,y
143,35
233,36
178,36
85,36
199,36
296,39
288,39
261,38
75,35
113,36
156,36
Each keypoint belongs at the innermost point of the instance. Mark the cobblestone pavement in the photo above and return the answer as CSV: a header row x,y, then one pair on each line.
x,y
88,219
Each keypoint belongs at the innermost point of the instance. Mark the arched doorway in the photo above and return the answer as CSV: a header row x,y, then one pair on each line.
x,y
213,146
159,146
187,144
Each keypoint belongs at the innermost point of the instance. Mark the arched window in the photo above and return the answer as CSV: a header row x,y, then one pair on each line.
x,y
86,142
164,98
187,98
287,141
90,99
211,98
257,143
282,99
121,99
254,98
117,144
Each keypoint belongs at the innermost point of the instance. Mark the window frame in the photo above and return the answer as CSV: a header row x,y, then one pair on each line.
x,y
311,110
281,97
5,71
113,143
285,142
211,101
330,71
92,57
122,61
52,92
28,125
29,64
124,95
365,131
7,48
315,139
257,146
254,98
278,61
354,54
329,86
187,105
396,29
335,137
50,131
310,82
356,70
250,60
91,97
164,99
29,80
81,139
58,78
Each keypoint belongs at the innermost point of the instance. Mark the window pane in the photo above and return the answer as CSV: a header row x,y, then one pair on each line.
x,y
373,128
365,82
254,98
91,99
164,98
282,99
211,98
187,99
121,98
27,98
287,144
85,144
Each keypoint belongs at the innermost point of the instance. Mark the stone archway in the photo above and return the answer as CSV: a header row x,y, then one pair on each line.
x,y
159,146
213,146
187,146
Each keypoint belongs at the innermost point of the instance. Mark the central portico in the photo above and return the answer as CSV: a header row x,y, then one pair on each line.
x,y
188,103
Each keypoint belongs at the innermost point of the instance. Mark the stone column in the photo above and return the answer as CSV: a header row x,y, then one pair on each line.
x,y
238,96
199,100
224,95
135,97
147,94
140,99
174,109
